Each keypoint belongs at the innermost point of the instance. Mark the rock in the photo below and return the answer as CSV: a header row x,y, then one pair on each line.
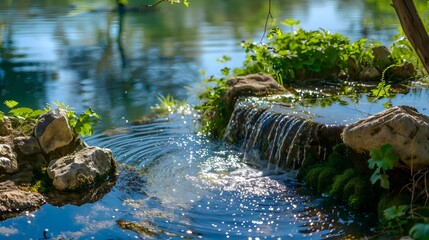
x,y
251,85
27,145
81,168
5,126
13,199
8,161
53,130
381,53
405,70
402,127
369,73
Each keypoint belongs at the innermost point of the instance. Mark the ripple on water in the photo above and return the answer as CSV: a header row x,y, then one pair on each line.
x,y
185,185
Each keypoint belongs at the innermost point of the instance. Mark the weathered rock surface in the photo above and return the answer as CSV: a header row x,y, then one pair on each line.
x,y
13,199
251,85
5,127
27,145
8,161
53,130
403,127
85,166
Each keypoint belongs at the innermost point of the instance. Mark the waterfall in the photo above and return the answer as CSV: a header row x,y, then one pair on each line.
x,y
279,140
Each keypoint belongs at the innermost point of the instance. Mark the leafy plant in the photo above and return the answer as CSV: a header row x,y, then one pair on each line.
x,y
301,54
420,231
82,124
395,216
382,159
168,104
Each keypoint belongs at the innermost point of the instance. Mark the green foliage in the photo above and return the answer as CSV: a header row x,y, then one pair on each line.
x,y
215,114
301,54
168,104
382,159
395,216
420,231
22,118
82,124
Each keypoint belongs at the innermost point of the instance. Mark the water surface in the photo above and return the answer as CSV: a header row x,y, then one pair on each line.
x,y
173,181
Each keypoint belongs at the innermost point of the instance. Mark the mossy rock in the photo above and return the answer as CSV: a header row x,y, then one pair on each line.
x,y
312,176
325,179
340,182
340,157
359,193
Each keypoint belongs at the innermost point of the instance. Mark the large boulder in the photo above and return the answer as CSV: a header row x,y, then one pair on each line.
x,y
53,130
8,158
403,127
81,168
251,85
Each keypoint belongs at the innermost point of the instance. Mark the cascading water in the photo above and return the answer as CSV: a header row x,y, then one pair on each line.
x,y
276,140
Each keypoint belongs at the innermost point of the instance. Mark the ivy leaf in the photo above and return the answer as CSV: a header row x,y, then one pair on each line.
x,y
11,103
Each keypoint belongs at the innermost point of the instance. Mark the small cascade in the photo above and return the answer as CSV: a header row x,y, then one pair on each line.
x,y
279,140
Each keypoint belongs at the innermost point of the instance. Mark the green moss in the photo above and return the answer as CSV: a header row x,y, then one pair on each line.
x,y
325,179
312,177
340,157
340,182
359,193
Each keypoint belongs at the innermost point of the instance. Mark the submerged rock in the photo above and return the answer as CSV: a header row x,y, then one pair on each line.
x,y
403,127
81,168
53,130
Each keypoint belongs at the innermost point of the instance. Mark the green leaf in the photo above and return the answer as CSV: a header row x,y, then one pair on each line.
x,y
420,231
395,212
1,116
186,3
22,112
11,103
290,22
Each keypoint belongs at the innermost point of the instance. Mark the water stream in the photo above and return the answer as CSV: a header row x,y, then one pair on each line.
x,y
173,182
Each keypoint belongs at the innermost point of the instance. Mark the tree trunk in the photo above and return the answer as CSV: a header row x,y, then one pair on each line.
x,y
413,29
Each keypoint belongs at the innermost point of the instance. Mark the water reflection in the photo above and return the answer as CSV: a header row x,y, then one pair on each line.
x,y
178,183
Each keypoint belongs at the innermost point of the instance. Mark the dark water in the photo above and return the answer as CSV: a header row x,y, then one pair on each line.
x,y
180,184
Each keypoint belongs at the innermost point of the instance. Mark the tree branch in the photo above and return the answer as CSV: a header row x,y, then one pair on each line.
x,y
269,16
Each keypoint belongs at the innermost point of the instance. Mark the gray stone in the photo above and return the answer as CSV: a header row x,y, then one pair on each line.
x,y
251,85
27,145
5,126
402,127
81,168
8,161
53,130
13,199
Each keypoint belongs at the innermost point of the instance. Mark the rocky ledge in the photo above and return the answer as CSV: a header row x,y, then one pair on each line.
x,y
53,161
